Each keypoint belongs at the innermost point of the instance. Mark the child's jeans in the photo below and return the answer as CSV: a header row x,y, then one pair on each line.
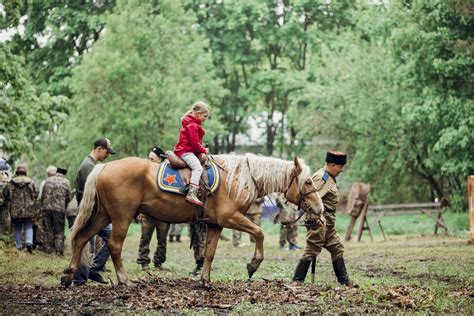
x,y
195,165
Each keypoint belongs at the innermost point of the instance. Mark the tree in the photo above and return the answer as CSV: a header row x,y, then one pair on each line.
x,y
403,106
56,35
23,114
134,89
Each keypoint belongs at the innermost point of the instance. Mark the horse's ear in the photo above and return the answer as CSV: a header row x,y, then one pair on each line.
x,y
298,168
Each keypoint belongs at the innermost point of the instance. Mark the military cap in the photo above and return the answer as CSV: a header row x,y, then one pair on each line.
x,y
160,153
336,157
105,143
61,171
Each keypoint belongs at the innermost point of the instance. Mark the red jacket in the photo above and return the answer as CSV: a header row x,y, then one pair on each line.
x,y
190,137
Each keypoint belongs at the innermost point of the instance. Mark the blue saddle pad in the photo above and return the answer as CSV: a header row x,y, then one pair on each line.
x,y
169,179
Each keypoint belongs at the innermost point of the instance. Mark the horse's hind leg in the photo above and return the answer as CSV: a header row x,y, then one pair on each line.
x,y
240,222
79,241
212,237
119,232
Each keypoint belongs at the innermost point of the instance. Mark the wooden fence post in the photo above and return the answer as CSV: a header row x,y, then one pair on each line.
x,y
470,194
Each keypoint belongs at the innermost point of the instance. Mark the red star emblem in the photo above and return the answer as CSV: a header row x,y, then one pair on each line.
x,y
170,179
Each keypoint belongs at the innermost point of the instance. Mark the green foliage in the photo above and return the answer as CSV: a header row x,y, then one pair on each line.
x,y
403,105
133,89
56,35
23,115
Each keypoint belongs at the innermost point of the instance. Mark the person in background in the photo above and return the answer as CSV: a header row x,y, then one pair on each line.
x,y
40,231
55,196
21,195
149,225
198,234
5,220
102,150
288,229
175,232
71,209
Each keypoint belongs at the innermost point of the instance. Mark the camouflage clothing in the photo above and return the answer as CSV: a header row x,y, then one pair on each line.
x,y
21,195
288,232
4,212
198,237
149,224
324,237
55,196
254,214
176,230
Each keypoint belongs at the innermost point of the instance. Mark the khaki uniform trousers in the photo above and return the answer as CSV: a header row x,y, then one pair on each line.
x,y
53,229
326,237
198,234
148,226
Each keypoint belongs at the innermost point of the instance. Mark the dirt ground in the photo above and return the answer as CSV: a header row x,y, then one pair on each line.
x,y
404,274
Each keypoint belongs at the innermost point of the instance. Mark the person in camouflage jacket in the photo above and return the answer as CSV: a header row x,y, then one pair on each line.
x,y
21,194
54,198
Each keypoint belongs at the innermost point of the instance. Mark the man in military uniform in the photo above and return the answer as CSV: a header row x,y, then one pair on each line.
x,y
44,234
319,237
175,232
288,229
21,195
254,214
55,196
148,225
5,221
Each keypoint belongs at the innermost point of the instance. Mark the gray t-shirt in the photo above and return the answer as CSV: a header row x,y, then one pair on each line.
x,y
84,170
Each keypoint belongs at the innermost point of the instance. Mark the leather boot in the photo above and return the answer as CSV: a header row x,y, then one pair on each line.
x,y
301,270
340,271
198,268
178,238
171,238
192,196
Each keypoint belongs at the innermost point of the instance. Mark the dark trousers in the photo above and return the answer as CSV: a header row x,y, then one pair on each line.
x,y
149,225
54,222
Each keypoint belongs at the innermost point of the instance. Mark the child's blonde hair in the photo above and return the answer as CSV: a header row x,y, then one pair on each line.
x,y
199,107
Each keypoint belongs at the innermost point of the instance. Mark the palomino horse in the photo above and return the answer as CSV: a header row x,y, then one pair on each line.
x,y
116,190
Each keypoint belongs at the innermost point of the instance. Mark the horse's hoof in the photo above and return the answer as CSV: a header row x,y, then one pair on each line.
x,y
66,280
251,270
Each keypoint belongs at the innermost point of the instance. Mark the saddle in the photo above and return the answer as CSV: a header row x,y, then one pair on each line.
x,y
174,175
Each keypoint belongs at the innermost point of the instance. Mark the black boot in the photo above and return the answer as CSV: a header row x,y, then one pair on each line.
x,y
301,270
198,268
340,271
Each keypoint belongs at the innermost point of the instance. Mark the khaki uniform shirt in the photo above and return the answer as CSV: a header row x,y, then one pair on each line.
x,y
326,186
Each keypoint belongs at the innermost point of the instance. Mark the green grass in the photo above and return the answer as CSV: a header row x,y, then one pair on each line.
x,y
435,274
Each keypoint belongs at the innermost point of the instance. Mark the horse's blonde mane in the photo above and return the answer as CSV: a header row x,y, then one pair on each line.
x,y
270,174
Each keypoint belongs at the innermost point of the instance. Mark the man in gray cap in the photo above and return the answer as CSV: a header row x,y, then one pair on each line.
x,y
101,151
319,237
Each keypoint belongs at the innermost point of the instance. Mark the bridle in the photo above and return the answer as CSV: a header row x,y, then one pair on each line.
x,y
302,204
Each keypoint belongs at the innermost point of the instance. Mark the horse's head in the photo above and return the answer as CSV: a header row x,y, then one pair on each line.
x,y
302,192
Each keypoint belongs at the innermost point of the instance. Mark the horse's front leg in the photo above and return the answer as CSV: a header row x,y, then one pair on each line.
x,y
240,222
119,232
213,234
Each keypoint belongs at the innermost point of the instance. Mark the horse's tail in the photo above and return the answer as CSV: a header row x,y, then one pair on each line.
x,y
87,210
